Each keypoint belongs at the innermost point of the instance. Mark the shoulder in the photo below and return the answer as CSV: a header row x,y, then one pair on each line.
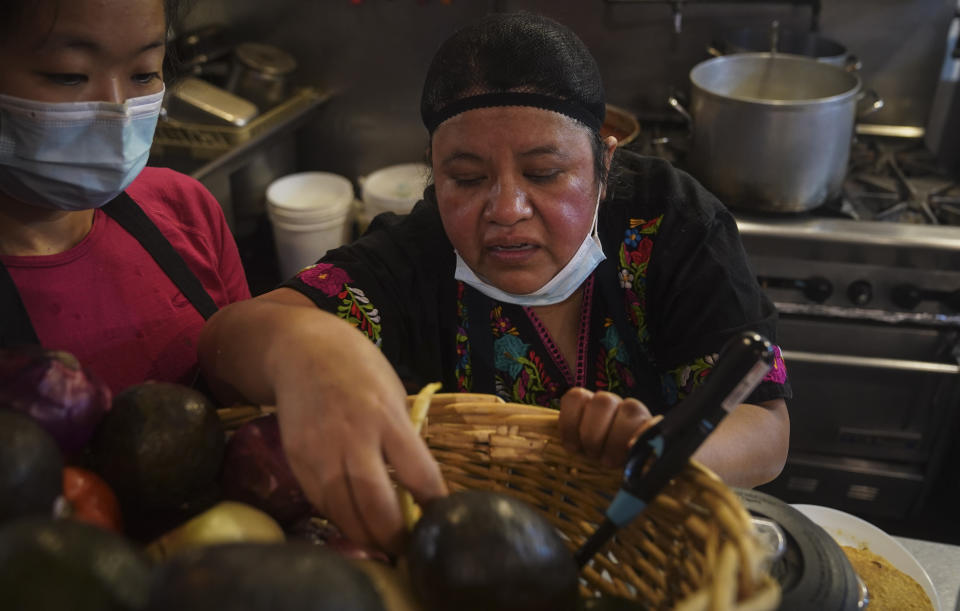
x,y
415,240
170,197
649,187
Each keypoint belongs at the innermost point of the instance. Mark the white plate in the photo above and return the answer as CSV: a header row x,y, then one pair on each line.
x,y
850,530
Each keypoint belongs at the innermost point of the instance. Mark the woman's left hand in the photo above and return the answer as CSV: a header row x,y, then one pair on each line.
x,y
601,424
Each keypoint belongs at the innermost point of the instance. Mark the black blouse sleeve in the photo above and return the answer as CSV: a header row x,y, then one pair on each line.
x,y
388,285
701,289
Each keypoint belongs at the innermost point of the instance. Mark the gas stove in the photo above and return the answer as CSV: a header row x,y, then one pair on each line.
x,y
898,181
868,291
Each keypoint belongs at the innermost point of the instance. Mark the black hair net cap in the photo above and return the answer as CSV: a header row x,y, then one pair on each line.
x,y
513,53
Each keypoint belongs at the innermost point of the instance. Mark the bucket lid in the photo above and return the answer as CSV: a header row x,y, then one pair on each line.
x,y
396,187
309,196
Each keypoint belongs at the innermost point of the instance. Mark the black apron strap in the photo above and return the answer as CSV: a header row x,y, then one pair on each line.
x,y
481,340
135,221
16,329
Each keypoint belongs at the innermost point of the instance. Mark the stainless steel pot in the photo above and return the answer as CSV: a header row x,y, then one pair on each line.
x,y
772,132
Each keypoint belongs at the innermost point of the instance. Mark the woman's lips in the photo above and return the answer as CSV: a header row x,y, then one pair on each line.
x,y
511,253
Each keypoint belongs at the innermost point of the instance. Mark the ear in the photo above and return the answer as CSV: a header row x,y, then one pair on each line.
x,y
609,147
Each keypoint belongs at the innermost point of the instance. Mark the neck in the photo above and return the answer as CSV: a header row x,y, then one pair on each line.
x,y
33,230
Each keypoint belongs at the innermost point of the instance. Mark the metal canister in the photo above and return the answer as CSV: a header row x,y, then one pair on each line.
x,y
260,73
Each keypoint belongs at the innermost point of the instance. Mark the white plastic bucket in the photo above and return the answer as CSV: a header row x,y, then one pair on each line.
x,y
395,188
310,214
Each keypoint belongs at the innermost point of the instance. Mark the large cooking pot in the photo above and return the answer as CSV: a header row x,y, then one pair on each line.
x,y
784,40
772,132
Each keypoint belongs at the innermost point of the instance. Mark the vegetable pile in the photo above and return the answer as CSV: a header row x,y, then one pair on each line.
x,y
140,502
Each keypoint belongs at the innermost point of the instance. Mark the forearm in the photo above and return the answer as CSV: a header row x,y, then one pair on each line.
x,y
750,445
246,348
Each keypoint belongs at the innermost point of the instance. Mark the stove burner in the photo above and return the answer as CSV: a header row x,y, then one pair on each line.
x,y
898,181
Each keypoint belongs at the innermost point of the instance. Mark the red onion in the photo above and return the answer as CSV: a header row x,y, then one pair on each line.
x,y
256,471
54,389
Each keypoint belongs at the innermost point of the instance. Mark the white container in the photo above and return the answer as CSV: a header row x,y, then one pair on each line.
x,y
395,188
310,213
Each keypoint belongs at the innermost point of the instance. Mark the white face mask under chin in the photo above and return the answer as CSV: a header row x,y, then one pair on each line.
x,y
558,288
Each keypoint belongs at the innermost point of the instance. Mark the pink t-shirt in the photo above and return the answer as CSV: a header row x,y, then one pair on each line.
x,y
107,301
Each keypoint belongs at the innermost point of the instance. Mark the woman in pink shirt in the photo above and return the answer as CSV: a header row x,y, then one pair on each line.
x,y
99,256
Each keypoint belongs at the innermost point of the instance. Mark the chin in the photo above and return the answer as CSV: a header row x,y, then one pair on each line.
x,y
518,288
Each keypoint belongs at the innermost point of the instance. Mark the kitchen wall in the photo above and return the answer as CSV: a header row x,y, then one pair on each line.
x,y
375,54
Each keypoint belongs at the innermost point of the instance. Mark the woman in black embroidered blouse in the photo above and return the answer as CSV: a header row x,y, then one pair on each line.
x,y
523,272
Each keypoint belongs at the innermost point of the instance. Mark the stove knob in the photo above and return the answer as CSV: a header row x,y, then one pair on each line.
x,y
817,288
906,296
860,292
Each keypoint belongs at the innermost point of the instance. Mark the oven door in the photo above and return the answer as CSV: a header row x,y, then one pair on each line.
x,y
872,405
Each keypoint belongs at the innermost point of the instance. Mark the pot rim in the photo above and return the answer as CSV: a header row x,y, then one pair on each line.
x,y
735,38
839,98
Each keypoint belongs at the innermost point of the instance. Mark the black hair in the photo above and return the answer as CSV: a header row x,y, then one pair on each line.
x,y
509,54
12,13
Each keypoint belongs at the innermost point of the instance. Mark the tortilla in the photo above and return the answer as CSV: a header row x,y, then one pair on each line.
x,y
888,587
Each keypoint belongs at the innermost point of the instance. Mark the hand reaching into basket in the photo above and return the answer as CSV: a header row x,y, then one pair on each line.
x,y
601,424
341,408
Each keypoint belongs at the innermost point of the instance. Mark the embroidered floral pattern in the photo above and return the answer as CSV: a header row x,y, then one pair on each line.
x,y
463,370
778,372
634,259
520,372
612,363
325,277
354,307
678,383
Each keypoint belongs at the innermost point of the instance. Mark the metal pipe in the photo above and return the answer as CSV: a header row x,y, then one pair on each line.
x,y
677,7
870,362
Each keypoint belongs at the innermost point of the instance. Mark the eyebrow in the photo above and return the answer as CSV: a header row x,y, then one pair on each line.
x,y
538,151
85,44
548,149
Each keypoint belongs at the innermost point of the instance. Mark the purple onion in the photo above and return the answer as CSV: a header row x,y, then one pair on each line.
x,y
53,388
256,471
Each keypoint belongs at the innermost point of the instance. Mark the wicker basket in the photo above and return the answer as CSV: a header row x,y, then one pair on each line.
x,y
693,547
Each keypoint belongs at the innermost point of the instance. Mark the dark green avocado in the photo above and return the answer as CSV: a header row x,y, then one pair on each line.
x,y
478,550
160,447
31,467
262,577
63,564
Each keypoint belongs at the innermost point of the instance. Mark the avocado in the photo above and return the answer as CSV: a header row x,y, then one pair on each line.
x,y
65,564
160,448
262,577
477,550
31,467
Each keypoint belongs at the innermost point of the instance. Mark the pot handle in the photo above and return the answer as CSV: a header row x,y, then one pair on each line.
x,y
874,106
675,103
714,50
852,63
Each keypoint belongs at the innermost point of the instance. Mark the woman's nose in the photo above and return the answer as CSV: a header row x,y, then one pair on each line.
x,y
507,204
110,89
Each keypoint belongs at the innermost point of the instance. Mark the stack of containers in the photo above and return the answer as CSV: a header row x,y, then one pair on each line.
x,y
311,213
395,188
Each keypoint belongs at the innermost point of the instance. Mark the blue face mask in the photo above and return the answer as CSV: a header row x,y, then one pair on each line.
x,y
558,288
74,155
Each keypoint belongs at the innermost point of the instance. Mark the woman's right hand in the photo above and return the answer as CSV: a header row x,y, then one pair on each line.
x,y
342,409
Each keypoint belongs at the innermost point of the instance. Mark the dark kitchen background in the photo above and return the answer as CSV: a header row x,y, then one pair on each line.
x,y
878,395
375,54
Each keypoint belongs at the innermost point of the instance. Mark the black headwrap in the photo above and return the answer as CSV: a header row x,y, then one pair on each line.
x,y
513,59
